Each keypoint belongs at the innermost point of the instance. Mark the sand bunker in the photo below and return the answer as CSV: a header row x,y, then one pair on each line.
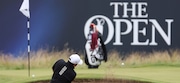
x,y
99,81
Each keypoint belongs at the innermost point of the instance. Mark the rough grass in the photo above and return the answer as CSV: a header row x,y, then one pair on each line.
x,y
156,58
43,58
143,59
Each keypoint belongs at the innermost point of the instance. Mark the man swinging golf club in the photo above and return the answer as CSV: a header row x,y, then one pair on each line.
x,y
63,72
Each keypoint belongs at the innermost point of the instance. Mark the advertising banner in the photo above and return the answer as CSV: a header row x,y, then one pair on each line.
x,y
126,25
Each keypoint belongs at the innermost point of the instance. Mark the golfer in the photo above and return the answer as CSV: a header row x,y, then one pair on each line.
x,y
63,72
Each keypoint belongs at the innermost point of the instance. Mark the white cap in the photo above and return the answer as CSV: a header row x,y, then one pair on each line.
x,y
75,59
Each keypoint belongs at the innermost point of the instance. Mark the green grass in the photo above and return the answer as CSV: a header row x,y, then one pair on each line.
x,y
157,66
163,74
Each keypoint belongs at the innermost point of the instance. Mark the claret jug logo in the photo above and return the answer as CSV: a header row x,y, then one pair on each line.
x,y
138,17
